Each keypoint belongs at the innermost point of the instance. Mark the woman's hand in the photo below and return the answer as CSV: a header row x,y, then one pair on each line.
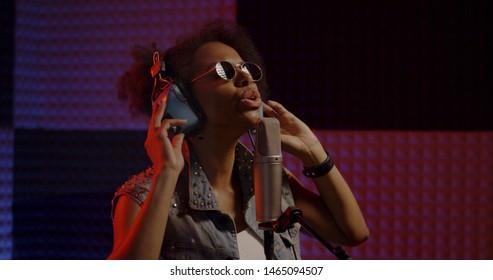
x,y
296,137
334,212
163,152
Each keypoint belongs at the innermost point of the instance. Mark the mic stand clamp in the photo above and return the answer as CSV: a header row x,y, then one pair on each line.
x,y
293,215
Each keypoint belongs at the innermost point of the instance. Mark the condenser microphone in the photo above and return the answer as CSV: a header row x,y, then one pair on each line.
x,y
267,172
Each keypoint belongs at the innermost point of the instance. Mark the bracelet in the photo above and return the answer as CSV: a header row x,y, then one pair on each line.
x,y
321,169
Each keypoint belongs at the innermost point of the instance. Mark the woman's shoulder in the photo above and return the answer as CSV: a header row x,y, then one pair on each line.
x,y
137,186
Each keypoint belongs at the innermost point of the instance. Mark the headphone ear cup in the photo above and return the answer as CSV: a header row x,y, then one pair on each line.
x,y
189,99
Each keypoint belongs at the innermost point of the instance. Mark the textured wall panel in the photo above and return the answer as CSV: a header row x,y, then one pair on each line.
x,y
71,53
51,163
64,183
6,192
426,195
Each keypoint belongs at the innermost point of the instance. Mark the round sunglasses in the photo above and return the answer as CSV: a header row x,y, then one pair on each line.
x,y
227,71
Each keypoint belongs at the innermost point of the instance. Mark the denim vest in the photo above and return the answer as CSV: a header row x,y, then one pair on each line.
x,y
196,228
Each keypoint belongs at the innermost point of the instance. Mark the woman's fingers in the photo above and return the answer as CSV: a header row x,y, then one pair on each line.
x,y
156,117
159,114
178,141
159,125
277,108
269,111
167,124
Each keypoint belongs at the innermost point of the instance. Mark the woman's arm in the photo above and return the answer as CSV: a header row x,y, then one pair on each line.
x,y
139,232
334,213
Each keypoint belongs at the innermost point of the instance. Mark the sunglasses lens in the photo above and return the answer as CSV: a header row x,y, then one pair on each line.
x,y
253,69
225,70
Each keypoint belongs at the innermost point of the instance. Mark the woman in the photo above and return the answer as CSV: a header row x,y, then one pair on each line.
x,y
197,202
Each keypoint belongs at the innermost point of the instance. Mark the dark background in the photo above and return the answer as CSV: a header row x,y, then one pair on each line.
x,y
387,65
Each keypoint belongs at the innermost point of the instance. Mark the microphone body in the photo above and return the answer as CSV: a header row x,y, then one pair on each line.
x,y
268,172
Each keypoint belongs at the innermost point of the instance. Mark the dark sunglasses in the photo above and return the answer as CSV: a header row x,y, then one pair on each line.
x,y
227,71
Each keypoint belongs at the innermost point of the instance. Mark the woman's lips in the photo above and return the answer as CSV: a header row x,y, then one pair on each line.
x,y
251,100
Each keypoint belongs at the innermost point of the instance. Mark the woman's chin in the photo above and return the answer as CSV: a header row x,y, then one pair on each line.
x,y
252,117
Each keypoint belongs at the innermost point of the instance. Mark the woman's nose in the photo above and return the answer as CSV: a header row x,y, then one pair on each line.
x,y
242,78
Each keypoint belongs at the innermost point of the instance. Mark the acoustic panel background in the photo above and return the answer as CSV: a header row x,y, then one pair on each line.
x,y
6,192
70,54
7,20
425,195
64,183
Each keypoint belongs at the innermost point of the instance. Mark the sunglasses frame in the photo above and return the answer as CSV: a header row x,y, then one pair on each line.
x,y
240,66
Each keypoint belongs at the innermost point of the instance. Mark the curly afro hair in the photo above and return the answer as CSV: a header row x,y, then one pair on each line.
x,y
136,83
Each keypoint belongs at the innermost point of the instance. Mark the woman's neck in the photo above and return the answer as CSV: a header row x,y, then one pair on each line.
x,y
217,157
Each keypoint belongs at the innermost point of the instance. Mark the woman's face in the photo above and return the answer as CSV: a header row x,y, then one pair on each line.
x,y
230,106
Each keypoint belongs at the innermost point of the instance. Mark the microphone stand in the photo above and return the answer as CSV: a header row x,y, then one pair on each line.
x,y
268,229
294,215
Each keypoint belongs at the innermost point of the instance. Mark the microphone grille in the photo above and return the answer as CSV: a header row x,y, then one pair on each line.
x,y
268,137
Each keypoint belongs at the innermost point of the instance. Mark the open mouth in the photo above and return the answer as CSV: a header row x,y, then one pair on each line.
x,y
251,95
252,99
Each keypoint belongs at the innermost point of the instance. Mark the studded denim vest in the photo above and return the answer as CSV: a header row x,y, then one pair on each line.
x,y
196,228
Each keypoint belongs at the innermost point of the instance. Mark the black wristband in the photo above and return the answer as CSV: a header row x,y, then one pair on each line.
x,y
321,169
